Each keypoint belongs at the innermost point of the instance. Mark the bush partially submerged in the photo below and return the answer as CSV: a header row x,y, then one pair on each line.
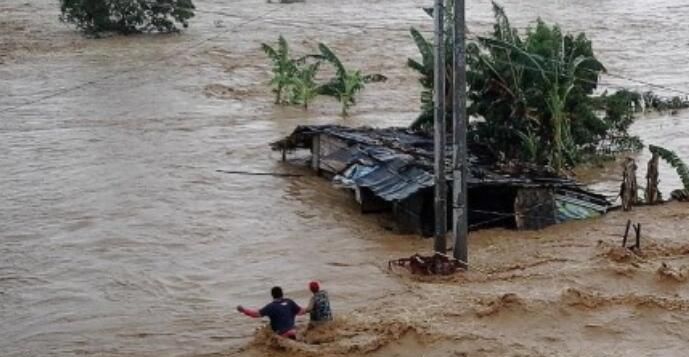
x,y
535,95
294,79
127,16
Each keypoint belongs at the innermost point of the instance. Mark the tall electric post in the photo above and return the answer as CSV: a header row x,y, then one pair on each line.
x,y
459,137
440,244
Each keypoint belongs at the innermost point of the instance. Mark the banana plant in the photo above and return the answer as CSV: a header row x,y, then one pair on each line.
x,y
284,67
347,83
530,145
539,84
303,86
425,69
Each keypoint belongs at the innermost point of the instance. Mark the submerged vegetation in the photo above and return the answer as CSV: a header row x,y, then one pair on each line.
x,y
294,79
345,85
302,84
284,67
533,96
425,68
127,16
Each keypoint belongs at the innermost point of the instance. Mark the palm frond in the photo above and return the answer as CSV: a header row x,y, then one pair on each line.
x,y
270,52
503,29
416,66
283,48
674,161
329,55
533,59
529,144
423,121
425,47
330,88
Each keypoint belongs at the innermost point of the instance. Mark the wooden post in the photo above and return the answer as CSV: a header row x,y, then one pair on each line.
x,y
652,194
440,245
316,152
629,188
626,233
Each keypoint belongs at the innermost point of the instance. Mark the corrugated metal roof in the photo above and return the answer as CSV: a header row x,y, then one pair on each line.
x,y
395,180
400,161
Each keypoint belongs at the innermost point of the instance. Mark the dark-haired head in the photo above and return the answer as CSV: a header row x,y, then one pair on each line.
x,y
276,292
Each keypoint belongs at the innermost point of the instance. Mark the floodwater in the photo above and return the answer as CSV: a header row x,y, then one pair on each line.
x,y
119,238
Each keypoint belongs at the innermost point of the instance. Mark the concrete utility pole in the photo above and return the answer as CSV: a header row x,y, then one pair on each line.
x,y
439,245
459,137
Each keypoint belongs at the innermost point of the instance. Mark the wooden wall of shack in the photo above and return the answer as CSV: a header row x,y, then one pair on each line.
x,y
324,145
535,208
513,207
415,215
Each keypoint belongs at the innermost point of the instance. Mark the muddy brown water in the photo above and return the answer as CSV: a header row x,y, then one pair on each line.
x,y
119,238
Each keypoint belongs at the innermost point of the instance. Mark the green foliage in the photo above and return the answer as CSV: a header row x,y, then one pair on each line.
x,y
425,68
127,16
534,95
303,86
674,161
294,80
284,67
346,83
541,83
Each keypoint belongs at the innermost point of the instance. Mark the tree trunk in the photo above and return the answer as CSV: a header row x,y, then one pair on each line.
x,y
629,188
652,193
278,94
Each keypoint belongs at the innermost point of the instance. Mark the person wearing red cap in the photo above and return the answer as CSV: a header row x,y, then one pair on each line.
x,y
319,306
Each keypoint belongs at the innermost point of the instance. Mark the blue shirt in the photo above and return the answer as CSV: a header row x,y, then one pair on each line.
x,y
281,313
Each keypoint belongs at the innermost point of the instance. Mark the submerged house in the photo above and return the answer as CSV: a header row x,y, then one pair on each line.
x,y
391,170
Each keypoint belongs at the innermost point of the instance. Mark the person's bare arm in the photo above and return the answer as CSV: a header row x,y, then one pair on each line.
x,y
310,307
298,309
248,312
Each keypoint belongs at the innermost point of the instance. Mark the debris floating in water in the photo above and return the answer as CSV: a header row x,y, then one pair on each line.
x,y
437,264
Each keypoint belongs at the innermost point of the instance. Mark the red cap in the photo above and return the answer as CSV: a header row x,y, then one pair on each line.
x,y
314,286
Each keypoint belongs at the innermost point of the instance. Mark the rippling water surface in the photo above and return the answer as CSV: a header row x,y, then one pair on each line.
x,y
117,235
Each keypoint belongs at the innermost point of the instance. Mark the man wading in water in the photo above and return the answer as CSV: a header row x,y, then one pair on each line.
x,y
281,313
319,306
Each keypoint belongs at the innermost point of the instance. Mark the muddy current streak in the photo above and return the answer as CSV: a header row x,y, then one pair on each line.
x,y
119,238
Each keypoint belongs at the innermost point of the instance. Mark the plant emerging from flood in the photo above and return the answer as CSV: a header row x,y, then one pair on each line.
x,y
284,67
533,95
295,79
127,16
346,83
302,84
